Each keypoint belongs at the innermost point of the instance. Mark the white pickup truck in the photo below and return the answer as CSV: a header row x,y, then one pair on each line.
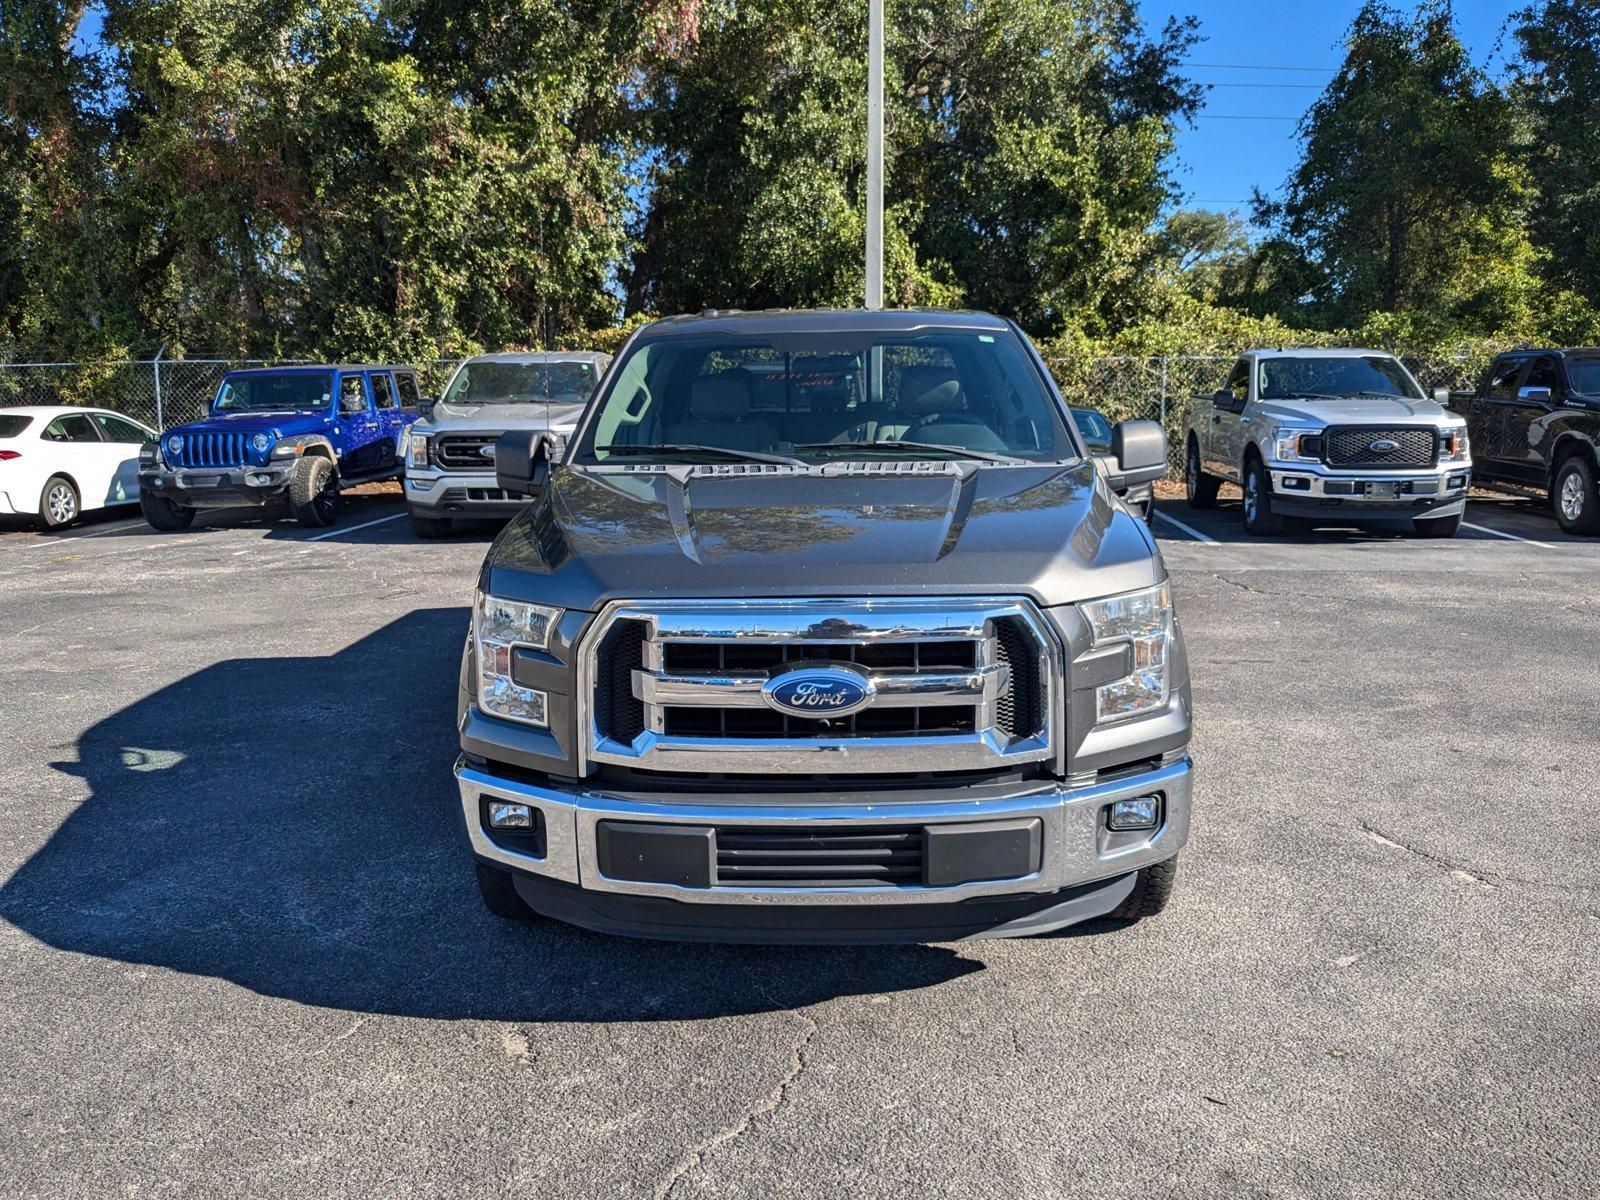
x,y
1342,436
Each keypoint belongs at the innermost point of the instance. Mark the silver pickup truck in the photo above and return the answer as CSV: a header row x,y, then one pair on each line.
x,y
449,454
1345,436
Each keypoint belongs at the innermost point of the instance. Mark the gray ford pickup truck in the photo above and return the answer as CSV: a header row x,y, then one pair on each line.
x,y
1344,436
449,454
825,627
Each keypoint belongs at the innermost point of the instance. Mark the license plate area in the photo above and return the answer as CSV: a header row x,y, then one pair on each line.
x,y
1387,490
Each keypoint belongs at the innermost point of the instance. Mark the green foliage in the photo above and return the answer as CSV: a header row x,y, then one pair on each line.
x,y
1555,82
1407,195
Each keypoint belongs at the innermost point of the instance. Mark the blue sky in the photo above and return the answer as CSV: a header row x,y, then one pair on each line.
x,y
1220,160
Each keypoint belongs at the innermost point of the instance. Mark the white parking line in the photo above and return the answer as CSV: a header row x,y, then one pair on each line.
x,y
1194,533
354,528
1513,537
80,537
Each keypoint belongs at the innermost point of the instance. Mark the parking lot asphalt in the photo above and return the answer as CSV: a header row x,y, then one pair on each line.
x,y
241,952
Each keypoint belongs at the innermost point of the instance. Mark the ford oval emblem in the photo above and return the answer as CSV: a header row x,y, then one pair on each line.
x,y
487,451
1383,446
819,692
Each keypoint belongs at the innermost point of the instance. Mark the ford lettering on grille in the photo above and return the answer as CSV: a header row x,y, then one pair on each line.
x,y
819,692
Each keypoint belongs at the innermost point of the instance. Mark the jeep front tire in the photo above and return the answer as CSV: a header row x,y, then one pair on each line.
x,y
314,491
163,514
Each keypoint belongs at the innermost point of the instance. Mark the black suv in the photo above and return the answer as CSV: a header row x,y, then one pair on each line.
x,y
1535,422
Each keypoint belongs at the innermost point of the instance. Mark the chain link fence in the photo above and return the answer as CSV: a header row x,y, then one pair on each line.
x,y
1156,387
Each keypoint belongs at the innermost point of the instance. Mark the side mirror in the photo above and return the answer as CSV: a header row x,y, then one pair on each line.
x,y
426,405
1138,453
522,462
1539,395
1441,396
1224,399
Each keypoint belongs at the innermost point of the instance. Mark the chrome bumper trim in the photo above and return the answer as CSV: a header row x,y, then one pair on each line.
x,y
1077,848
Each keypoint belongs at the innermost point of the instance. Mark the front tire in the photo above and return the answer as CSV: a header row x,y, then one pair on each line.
x,y
431,527
163,514
499,894
1200,488
59,505
314,491
1151,892
1437,527
1259,519
1574,497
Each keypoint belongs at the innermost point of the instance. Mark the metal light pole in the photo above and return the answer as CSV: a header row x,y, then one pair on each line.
x,y
874,153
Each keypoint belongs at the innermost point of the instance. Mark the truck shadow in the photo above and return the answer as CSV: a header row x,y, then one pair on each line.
x,y
290,825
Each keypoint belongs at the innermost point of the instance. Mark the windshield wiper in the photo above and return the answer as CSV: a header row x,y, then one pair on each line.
x,y
719,451
958,451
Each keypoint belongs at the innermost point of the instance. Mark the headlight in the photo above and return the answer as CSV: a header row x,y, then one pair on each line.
x,y
174,444
260,442
1296,445
416,452
1142,620
1453,445
497,627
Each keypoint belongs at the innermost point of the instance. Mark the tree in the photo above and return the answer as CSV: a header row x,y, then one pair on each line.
x,y
1025,144
1408,194
1556,78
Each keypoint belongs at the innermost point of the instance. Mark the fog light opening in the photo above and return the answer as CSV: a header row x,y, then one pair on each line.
x,y
1130,816
504,814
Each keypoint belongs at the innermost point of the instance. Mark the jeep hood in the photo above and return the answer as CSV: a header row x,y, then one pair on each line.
x,y
501,417
282,424
1363,410
1053,533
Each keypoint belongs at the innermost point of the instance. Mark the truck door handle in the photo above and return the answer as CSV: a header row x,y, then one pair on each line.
x,y
1216,420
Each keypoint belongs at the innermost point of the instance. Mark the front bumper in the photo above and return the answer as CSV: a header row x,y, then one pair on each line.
x,y
1312,490
459,494
1080,869
218,487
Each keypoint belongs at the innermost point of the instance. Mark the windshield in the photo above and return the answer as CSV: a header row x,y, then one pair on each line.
x,y
1584,375
1369,375
1094,427
291,391
478,383
11,426
824,396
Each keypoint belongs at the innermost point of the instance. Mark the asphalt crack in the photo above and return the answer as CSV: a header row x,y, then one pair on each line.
x,y
1456,870
768,1107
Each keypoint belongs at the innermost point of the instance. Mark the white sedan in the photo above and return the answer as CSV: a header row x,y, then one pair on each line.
x,y
58,463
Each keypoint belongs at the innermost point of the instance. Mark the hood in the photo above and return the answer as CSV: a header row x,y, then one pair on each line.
x,y
502,417
281,424
1051,532
1365,410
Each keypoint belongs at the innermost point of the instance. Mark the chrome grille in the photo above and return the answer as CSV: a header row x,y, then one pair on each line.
x,y
463,451
1363,446
211,450
959,685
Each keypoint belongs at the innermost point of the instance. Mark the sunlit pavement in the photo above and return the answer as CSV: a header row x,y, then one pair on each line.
x,y
241,952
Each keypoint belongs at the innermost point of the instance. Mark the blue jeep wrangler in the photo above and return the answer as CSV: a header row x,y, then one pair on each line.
x,y
292,433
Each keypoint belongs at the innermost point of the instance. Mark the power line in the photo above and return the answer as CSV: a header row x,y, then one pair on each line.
x,y
1310,87
1259,67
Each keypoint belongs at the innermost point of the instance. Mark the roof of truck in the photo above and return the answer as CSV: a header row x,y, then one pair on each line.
x,y
826,320
1317,352
288,368
539,356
